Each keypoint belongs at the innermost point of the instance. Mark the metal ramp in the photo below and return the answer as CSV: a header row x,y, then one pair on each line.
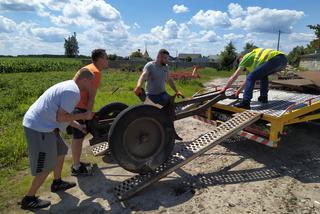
x,y
100,149
133,185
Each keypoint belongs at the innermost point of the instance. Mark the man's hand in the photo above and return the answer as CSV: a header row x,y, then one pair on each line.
x,y
223,89
179,94
88,115
83,129
237,92
137,90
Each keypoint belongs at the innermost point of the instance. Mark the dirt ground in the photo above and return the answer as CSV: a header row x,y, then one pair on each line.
x,y
237,176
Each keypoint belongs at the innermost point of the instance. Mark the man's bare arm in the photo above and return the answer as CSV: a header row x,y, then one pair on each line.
x,y
92,95
63,116
143,77
233,78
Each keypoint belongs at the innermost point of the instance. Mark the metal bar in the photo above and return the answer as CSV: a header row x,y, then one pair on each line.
x,y
303,119
199,99
133,185
201,108
105,121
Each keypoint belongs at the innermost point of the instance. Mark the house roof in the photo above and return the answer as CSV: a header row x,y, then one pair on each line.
x,y
185,55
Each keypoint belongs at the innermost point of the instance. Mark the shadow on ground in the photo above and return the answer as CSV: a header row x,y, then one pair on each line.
x,y
298,156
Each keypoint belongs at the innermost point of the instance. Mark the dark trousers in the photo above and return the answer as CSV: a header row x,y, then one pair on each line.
x,y
261,73
161,99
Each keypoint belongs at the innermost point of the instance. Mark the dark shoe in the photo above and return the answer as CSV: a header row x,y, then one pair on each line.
x,y
32,202
263,99
60,185
84,169
244,105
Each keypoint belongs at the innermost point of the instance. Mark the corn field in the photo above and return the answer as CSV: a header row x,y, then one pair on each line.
x,y
29,64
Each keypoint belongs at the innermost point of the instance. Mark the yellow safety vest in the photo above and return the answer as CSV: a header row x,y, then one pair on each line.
x,y
262,55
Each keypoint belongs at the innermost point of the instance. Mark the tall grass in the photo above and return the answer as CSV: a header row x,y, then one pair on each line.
x,y
30,64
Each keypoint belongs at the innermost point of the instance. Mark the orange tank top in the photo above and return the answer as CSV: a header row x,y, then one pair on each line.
x,y
84,95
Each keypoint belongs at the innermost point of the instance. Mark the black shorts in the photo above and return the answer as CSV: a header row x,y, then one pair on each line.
x,y
76,133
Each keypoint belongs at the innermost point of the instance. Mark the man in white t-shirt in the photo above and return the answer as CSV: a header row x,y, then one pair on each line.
x,y
51,113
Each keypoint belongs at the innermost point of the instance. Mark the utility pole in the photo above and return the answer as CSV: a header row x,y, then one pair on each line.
x,y
278,40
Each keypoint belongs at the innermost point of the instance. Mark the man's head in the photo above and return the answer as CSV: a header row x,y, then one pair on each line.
x,y
99,58
83,78
240,56
163,57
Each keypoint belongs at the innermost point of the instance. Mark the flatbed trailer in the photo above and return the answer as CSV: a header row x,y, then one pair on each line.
x,y
284,108
264,123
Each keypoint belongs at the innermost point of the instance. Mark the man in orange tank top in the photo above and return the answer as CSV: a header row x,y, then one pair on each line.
x,y
99,62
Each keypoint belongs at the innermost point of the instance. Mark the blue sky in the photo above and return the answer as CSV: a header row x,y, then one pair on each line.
x,y
123,26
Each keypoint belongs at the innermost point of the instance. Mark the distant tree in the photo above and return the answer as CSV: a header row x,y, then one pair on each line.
x,y
136,54
228,56
316,29
311,47
294,55
112,57
71,46
188,59
249,46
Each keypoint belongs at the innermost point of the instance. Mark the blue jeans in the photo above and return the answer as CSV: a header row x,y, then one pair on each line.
x,y
161,99
261,73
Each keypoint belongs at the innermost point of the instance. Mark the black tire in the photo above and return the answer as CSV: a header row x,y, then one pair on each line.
x,y
109,111
141,138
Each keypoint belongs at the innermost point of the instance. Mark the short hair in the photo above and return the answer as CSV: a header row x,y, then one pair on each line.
x,y
97,53
84,73
237,61
163,51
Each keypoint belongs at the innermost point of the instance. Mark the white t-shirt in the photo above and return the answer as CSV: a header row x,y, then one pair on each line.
x,y
41,116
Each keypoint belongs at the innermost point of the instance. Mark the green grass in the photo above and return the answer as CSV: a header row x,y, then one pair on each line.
x,y
19,90
34,64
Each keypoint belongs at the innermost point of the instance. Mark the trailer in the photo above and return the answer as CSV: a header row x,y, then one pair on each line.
x,y
283,109
141,138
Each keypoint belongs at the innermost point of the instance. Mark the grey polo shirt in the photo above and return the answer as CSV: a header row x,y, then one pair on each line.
x,y
157,77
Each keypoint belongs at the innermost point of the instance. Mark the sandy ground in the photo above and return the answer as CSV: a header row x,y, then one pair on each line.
x,y
237,176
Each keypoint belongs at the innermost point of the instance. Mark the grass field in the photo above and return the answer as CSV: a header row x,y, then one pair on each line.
x,y
19,90
35,64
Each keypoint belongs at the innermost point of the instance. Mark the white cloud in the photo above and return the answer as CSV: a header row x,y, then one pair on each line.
x,y
51,34
302,37
270,20
253,19
19,5
168,31
30,6
235,10
180,8
101,11
7,25
211,19
86,13
233,37
136,26
209,36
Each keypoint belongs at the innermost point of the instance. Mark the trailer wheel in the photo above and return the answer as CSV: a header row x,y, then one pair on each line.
x,y
109,111
141,138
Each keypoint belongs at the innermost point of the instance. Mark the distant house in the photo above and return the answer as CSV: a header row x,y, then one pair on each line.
x,y
214,58
185,56
310,62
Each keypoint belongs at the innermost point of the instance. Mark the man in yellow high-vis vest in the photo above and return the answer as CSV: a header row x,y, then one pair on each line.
x,y
260,63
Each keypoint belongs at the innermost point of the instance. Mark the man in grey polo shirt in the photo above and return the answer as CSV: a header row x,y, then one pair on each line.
x,y
42,122
156,73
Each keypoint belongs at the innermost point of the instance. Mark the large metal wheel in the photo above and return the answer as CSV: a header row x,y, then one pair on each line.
x,y
141,138
99,129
